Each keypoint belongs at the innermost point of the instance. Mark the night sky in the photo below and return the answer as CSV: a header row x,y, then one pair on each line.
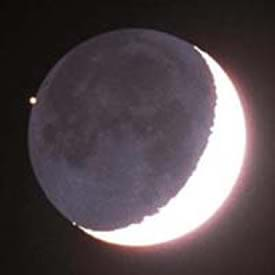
x,y
240,239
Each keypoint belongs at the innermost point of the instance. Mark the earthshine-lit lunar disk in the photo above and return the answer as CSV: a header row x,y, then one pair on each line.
x,y
139,137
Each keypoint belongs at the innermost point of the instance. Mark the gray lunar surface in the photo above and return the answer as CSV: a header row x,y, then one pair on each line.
x,y
120,124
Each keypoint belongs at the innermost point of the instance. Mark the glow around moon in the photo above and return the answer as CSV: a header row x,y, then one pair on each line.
x,y
209,185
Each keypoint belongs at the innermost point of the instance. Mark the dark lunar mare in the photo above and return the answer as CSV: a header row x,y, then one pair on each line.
x,y
120,124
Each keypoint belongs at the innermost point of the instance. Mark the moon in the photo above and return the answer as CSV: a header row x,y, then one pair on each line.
x,y
137,137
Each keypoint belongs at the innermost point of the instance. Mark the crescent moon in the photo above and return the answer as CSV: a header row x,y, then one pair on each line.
x,y
197,202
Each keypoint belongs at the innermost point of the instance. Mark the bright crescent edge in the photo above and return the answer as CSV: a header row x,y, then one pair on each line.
x,y
209,185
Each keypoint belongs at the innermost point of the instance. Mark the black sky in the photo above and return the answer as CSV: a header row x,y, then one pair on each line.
x,y
240,239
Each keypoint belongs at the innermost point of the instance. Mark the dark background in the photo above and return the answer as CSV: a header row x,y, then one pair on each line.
x,y
36,239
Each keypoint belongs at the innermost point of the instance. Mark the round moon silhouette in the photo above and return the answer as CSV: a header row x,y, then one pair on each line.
x,y
137,137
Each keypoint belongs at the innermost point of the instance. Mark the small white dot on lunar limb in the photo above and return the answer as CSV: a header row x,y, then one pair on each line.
x,y
74,223
33,100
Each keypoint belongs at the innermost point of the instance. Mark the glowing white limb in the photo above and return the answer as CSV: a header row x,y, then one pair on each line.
x,y
209,185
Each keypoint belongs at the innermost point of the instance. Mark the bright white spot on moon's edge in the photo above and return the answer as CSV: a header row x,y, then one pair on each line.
x,y
33,100
209,185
